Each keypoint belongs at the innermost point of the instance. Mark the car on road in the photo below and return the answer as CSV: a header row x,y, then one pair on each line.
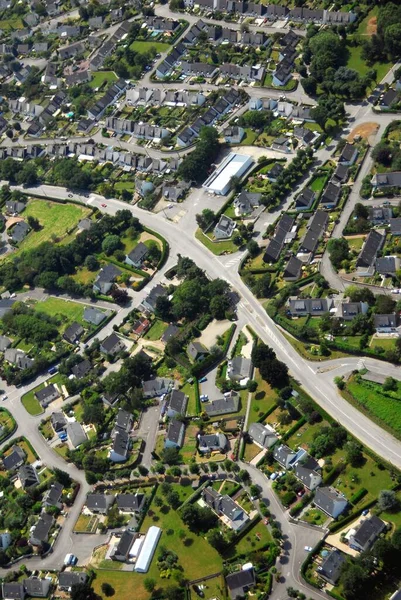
x,y
202,380
70,195
104,205
308,548
5,397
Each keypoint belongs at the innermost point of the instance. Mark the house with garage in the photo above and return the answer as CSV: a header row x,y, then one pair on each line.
x,y
120,448
73,333
137,256
388,265
67,579
216,442
28,476
58,421
240,582
262,435
331,567
293,269
331,195
177,404
47,395
149,303
234,134
239,369
106,278
112,345
305,200
366,260
175,434
123,422
348,155
13,590
94,316
15,459
224,228
41,531
308,471
19,358
53,495
231,513
82,369
154,388
99,504
36,587
366,533
330,501
284,455
76,434
121,552
131,503
246,203
386,323
229,403
196,351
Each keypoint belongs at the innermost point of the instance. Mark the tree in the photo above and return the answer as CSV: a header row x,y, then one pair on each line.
x,y
253,248
91,263
205,219
120,296
390,384
396,539
149,584
274,372
354,454
83,591
353,579
110,244
33,223
384,304
387,500
217,540
338,251
195,166
107,589
382,154
361,211
171,456
218,307
261,287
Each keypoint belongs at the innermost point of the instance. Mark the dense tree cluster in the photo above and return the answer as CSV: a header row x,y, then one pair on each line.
x,y
338,251
292,173
387,40
271,369
196,165
51,266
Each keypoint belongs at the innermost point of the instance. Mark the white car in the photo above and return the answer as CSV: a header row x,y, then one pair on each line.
x,y
308,548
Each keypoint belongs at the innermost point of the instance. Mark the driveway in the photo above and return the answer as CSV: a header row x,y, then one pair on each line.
x,y
147,430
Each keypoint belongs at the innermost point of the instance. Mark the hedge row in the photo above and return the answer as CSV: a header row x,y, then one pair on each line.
x,y
267,413
358,496
165,247
299,506
294,428
198,407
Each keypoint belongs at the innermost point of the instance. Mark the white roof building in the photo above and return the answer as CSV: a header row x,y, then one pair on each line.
x,y
148,549
234,165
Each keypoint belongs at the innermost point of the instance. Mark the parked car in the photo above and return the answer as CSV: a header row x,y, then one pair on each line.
x,y
202,380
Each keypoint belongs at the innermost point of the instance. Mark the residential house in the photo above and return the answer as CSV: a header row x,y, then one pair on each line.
x,y
6,305
82,369
13,590
315,307
316,228
40,533
53,495
341,174
308,471
395,226
284,455
106,279
330,501
293,269
229,403
281,144
348,155
390,98
246,202
262,435
36,587
157,387
14,207
15,459
67,579
121,552
386,323
331,195
379,215
140,326
231,513
240,582
239,369
216,442
58,421
367,257
18,232
224,228
99,503
94,316
331,567
234,134
123,422
76,434
73,333
366,534
47,394
386,180
5,343
175,434
149,303
131,503
171,331
349,310
197,351
177,404
305,200
121,445
282,234
137,256
18,358
388,265
112,345
174,192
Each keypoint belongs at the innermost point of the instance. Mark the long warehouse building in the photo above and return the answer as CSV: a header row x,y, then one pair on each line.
x,y
234,165
148,549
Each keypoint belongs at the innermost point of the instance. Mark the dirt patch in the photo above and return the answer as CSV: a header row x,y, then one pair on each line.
x,y
12,221
145,236
371,28
364,131
212,331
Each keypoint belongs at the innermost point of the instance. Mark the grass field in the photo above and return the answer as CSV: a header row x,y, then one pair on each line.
x,y
367,476
6,420
256,538
216,248
262,400
189,390
317,183
64,309
315,516
100,76
156,331
55,220
143,47
383,407
251,450
304,436
29,401
356,62
86,524
250,137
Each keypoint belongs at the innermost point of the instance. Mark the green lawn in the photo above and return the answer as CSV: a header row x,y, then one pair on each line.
x,y
189,390
64,309
367,476
356,243
304,436
251,450
262,400
7,421
356,62
29,401
317,183
250,137
256,538
56,221
188,450
216,248
143,47
156,331
363,25
315,516
100,76
383,407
